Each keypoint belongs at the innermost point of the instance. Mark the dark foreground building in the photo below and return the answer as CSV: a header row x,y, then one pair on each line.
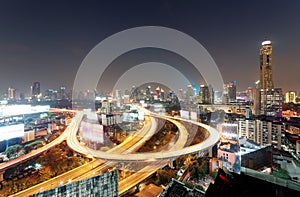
x,y
251,183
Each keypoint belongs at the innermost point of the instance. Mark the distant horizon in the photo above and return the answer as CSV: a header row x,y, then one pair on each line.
x,y
47,41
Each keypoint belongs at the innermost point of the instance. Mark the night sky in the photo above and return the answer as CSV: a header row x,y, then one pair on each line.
x,y
46,41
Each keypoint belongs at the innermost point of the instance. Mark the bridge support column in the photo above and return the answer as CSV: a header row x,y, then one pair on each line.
x,y
138,187
123,170
210,152
1,175
171,163
200,154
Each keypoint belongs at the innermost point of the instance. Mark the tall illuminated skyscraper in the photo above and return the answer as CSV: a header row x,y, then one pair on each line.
x,y
270,98
266,78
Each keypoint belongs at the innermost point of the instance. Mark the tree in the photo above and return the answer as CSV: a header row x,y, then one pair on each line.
x,y
13,150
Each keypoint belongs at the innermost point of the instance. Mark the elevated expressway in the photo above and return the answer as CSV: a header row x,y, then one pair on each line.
x,y
177,150
124,153
39,151
156,159
132,143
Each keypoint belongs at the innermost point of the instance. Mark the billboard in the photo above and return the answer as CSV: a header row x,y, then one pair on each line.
x,y
141,115
11,131
13,110
130,117
194,115
229,149
185,114
230,131
92,132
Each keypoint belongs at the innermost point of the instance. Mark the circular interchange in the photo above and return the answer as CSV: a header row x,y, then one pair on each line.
x,y
103,54
73,143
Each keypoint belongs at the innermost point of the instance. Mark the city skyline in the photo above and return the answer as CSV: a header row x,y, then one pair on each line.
x,y
149,98
48,41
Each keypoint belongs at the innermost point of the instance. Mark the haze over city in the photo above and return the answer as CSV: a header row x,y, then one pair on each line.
x,y
47,41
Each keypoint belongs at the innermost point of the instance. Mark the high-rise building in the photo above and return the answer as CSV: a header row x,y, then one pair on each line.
x,y
11,93
189,93
256,98
62,92
271,102
205,95
232,91
250,94
290,97
35,89
180,94
270,98
263,132
266,79
229,92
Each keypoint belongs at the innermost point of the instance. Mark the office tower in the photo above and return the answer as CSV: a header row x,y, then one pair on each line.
x,y
205,96
290,97
118,94
35,89
180,94
62,92
270,99
162,94
11,93
271,102
256,98
225,96
189,94
250,93
266,79
232,91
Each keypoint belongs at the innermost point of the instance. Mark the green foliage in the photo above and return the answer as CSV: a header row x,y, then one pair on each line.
x,y
281,173
214,174
12,151
164,176
199,169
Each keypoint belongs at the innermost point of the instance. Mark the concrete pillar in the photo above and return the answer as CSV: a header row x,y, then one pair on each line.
x,y
171,165
1,175
210,152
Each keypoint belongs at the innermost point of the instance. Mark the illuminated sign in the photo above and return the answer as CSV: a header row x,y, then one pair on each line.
x,y
130,117
11,131
13,110
92,132
194,116
185,114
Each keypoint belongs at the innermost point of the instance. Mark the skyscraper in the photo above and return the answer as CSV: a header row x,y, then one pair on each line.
x,y
232,91
270,98
205,95
266,79
11,93
35,89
